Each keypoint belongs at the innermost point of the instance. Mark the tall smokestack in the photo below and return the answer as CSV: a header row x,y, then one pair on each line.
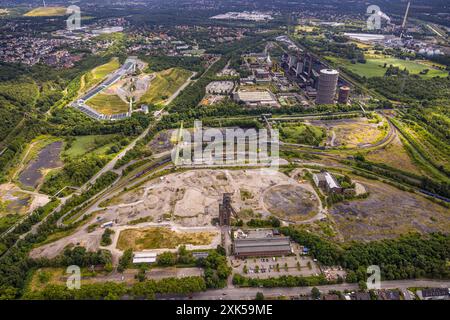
x,y
406,15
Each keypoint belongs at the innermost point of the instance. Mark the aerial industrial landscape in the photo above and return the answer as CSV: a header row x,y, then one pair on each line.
x,y
225,150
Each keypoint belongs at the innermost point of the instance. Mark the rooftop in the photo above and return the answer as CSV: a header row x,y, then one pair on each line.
x,y
329,71
331,181
255,245
255,96
144,257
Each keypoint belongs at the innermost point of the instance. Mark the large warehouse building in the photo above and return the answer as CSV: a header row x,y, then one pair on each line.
x,y
328,80
262,247
257,98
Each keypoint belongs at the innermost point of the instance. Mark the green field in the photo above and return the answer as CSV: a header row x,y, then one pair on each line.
x,y
165,84
95,76
374,67
108,104
46,12
301,133
95,144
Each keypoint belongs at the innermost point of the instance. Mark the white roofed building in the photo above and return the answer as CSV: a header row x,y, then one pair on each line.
x,y
257,98
327,182
144,257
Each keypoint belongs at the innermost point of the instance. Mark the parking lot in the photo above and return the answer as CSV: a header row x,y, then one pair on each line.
x,y
295,265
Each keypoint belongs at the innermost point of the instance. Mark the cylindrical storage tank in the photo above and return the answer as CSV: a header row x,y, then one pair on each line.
x,y
344,93
328,80
292,61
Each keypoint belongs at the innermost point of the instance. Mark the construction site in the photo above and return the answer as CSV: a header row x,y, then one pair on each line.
x,y
195,202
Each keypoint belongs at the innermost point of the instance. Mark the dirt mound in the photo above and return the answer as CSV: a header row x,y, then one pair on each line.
x,y
291,202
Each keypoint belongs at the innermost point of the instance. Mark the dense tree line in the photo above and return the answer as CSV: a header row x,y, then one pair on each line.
x,y
441,188
78,256
70,122
8,240
410,256
216,268
241,123
272,221
282,281
411,88
114,291
229,108
104,181
26,93
15,263
181,257
75,173
125,260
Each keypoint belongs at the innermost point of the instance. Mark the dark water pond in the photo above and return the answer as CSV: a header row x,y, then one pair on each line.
x,y
48,158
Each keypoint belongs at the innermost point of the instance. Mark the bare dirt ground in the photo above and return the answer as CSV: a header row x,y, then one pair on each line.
x,y
387,213
192,198
91,241
21,201
47,158
291,203
187,201
58,276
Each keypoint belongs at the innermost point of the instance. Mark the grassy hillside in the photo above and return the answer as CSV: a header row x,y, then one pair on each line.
x,y
46,12
165,84
301,133
108,104
95,76
94,144
374,67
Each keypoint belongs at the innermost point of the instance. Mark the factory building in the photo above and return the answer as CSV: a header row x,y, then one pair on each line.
x,y
262,247
327,182
326,92
256,98
144,257
344,93
262,76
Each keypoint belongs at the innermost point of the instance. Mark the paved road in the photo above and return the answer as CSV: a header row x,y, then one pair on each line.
x,y
250,293
188,82
110,165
